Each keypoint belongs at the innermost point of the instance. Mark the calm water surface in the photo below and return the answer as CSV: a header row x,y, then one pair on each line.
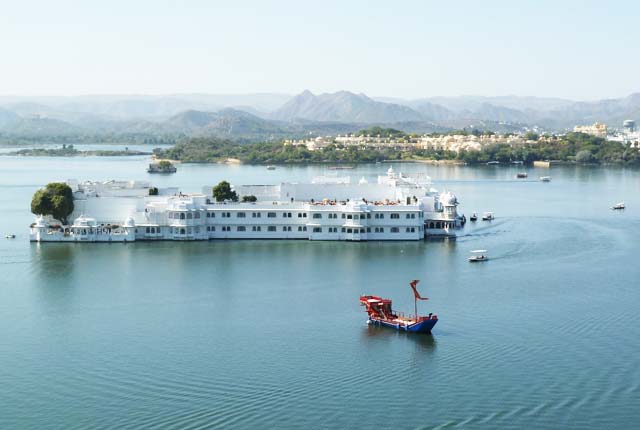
x,y
269,334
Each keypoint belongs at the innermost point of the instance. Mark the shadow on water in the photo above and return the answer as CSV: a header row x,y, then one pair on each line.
x,y
55,273
424,341
55,260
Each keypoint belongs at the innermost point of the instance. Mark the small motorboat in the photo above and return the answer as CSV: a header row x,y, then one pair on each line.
x,y
492,163
488,216
618,206
10,236
545,178
271,167
521,175
474,217
478,256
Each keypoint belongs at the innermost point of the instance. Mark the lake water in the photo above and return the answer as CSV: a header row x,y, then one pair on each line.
x,y
269,334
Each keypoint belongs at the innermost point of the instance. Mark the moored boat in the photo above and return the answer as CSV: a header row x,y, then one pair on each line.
x,y
474,217
545,178
521,175
271,167
381,313
488,216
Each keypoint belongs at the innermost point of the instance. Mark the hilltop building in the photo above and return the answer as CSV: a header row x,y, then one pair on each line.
x,y
597,129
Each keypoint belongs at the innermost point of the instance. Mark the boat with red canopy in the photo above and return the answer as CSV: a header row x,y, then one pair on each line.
x,y
381,313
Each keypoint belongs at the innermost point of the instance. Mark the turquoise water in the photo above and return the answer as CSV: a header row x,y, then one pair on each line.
x,y
269,334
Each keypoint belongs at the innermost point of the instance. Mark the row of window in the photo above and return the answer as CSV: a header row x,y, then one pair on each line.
x,y
186,215
286,228
441,224
270,228
196,215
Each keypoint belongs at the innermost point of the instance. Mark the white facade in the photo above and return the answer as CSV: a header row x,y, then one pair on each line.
x,y
397,207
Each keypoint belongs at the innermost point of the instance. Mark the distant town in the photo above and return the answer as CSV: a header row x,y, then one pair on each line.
x,y
474,140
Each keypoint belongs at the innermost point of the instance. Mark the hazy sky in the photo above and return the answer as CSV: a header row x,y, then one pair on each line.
x,y
573,49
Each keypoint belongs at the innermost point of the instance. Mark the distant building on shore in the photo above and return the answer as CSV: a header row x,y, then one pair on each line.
x,y
447,142
629,135
629,126
597,129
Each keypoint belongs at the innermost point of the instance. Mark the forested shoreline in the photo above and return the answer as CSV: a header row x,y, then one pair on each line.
x,y
570,148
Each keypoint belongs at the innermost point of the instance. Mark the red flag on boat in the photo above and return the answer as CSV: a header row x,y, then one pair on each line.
x,y
417,295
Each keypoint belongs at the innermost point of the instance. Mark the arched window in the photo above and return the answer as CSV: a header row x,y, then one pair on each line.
x,y
182,231
182,216
197,214
189,215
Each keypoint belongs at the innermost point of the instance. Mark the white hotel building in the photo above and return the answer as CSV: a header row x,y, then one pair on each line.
x,y
396,207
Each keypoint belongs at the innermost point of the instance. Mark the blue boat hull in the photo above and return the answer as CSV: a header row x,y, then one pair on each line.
x,y
423,326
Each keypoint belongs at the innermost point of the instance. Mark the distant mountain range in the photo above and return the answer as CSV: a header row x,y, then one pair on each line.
x,y
274,116
344,106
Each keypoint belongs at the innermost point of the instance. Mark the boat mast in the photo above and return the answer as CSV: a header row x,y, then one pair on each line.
x,y
416,296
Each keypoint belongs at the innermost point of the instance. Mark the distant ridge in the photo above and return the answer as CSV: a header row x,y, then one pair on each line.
x,y
343,106
276,116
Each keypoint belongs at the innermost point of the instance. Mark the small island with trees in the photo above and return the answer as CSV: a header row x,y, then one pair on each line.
x,y
163,166
68,150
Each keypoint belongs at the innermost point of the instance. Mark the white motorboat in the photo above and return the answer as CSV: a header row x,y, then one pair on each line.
x,y
478,256
488,216
545,178
618,206
271,167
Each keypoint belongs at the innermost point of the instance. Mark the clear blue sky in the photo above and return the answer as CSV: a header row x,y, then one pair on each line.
x,y
573,49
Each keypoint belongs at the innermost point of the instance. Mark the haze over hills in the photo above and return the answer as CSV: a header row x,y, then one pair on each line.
x,y
274,116
343,106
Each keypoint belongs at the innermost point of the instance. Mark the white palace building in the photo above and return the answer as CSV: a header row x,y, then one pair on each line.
x,y
396,207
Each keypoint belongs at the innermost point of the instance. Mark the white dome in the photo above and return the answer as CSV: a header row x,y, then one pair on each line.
x,y
448,199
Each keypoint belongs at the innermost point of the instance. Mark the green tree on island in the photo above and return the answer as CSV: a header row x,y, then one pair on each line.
x,y
56,199
223,191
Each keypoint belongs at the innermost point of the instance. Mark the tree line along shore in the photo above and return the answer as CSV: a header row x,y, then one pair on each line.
x,y
572,147
576,148
70,151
